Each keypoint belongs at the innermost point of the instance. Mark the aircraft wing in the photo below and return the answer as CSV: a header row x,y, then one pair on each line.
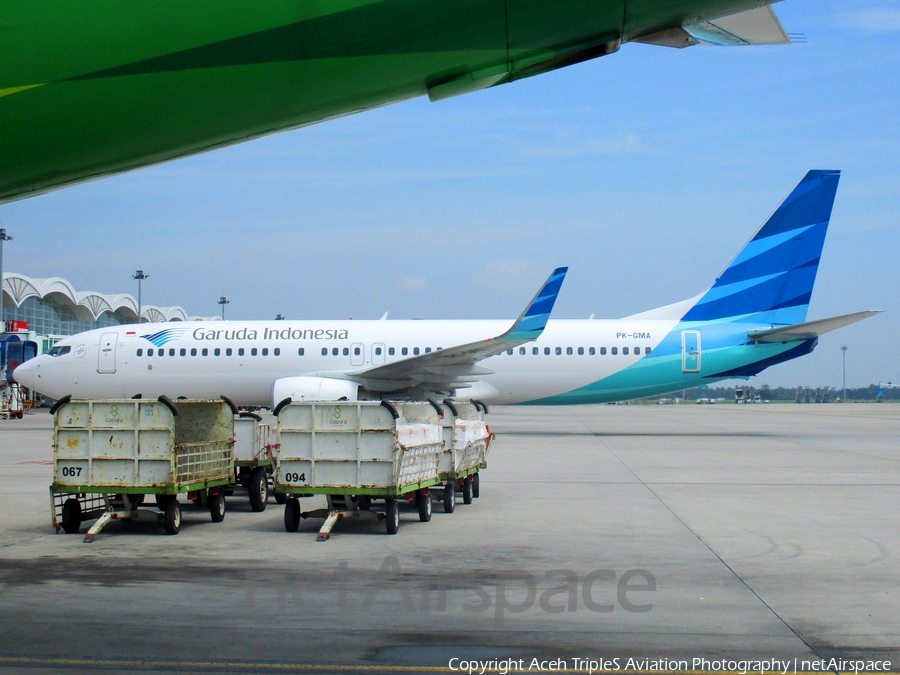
x,y
455,367
758,26
810,329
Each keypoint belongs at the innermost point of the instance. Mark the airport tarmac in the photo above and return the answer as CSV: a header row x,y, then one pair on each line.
x,y
660,532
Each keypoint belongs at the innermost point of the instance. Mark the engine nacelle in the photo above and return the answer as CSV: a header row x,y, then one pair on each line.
x,y
309,388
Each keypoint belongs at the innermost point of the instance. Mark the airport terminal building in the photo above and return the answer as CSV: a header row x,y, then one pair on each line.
x,y
38,312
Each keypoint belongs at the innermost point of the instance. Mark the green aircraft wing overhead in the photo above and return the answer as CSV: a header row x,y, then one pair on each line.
x,y
94,87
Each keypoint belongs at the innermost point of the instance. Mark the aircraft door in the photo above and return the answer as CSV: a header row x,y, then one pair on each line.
x,y
357,354
690,351
378,354
106,359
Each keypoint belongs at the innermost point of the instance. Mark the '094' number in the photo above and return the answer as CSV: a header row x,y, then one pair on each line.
x,y
71,471
295,478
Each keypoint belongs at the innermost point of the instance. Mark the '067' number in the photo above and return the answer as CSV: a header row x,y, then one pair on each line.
x,y
295,478
71,471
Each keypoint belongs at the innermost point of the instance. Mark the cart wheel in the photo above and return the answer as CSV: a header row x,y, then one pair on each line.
x,y
172,517
467,491
291,514
71,516
217,507
162,501
258,487
281,498
449,496
392,516
475,485
423,501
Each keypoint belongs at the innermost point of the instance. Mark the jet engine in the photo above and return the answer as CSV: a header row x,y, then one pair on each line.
x,y
309,388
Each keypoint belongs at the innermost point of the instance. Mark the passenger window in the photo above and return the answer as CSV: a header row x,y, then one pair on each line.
x,y
602,351
592,351
356,351
535,351
253,351
160,352
559,351
521,351
265,351
546,351
228,352
276,351
569,351
334,351
624,351
140,352
646,350
217,352
427,350
404,351
391,351
205,352
324,351
415,351
171,352
377,351
614,351
194,351
509,352
150,352
182,352
581,351
301,351
346,351
240,351
637,351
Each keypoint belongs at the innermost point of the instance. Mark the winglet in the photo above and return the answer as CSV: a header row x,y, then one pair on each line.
x,y
533,320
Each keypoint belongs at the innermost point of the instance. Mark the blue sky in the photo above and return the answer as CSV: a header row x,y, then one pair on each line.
x,y
644,171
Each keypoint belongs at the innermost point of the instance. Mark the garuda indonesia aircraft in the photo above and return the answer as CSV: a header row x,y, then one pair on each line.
x,y
753,317
94,87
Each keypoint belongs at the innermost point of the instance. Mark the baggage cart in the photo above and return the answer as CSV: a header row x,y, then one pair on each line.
x,y
467,439
356,453
118,451
254,460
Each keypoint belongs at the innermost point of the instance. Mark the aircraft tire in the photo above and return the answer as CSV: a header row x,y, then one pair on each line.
x,y
217,507
467,491
258,488
450,496
392,516
292,514
172,517
423,501
71,516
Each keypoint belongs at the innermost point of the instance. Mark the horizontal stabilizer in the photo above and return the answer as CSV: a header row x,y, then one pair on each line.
x,y
810,329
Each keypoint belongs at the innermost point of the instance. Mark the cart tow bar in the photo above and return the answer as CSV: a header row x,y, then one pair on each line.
x,y
99,525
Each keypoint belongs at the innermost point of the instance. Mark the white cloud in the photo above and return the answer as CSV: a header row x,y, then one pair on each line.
x,y
877,19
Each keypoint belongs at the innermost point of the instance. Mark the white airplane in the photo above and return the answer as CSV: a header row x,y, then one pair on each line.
x,y
753,316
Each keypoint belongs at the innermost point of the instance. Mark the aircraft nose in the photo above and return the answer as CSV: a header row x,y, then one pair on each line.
x,y
26,374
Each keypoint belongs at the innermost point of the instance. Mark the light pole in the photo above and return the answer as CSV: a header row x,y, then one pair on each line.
x,y
223,301
3,237
844,369
140,276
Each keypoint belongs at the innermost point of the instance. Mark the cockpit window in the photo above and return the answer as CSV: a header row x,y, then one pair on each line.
x,y
59,350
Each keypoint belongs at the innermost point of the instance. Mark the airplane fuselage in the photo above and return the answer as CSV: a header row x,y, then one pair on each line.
x,y
573,361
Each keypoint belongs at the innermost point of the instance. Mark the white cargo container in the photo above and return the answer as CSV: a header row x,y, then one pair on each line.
x,y
253,457
125,449
353,452
467,440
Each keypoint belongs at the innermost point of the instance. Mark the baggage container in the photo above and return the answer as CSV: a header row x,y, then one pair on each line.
x,y
354,452
467,439
253,458
125,449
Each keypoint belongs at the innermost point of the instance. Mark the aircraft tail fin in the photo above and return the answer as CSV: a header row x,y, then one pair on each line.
x,y
771,279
